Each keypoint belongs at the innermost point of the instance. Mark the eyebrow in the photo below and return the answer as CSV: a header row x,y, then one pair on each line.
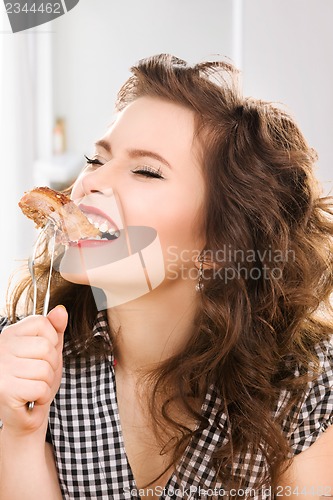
x,y
135,153
104,144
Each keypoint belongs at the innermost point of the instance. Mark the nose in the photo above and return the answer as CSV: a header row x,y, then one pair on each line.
x,y
96,182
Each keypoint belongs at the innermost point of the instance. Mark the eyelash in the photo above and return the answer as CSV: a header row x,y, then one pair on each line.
x,y
94,161
149,172
145,170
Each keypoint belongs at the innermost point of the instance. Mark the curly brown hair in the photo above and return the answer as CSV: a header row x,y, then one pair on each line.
x,y
253,330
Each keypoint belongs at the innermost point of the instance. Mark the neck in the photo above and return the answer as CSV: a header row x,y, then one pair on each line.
x,y
154,327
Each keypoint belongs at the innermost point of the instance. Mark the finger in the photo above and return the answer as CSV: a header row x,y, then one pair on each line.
x,y
58,317
31,390
34,326
37,348
35,369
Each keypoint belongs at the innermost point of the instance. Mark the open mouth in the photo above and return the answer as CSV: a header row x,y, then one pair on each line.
x,y
101,221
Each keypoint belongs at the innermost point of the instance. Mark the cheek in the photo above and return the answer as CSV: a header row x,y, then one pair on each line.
x,y
179,230
180,238
181,227
175,219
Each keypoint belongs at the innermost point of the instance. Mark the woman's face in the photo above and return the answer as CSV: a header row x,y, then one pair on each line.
x,y
147,175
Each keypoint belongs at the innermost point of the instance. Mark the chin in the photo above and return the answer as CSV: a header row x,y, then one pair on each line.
x,y
71,267
79,279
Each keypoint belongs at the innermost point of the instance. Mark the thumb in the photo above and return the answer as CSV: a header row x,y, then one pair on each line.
x,y
58,318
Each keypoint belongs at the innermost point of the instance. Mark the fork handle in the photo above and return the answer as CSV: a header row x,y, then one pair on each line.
x,y
31,404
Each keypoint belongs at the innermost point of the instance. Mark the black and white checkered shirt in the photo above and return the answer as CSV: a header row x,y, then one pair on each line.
x,y
85,431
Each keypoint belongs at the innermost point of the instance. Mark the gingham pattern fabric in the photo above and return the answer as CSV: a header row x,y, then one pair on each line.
x,y
85,431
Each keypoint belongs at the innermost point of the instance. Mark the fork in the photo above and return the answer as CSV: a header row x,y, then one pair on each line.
x,y
31,265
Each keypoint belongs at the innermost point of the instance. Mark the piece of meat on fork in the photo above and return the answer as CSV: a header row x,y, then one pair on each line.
x,y
43,204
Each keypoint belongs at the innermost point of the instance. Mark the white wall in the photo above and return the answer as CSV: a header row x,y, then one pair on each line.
x,y
97,42
288,57
17,151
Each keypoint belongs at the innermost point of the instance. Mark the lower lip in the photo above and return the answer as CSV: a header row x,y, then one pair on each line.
x,y
91,243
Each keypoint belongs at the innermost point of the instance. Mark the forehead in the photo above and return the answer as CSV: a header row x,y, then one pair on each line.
x,y
153,123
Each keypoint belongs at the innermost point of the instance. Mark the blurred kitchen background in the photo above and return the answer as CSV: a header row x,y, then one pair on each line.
x,y
58,82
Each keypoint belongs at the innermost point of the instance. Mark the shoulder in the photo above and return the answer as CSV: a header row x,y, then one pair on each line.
x,y
310,472
315,413
311,434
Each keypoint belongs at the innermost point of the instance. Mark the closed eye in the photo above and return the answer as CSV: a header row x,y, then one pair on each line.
x,y
93,161
145,170
148,172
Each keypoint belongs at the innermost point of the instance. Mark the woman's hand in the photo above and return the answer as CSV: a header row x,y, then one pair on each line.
x,y
30,370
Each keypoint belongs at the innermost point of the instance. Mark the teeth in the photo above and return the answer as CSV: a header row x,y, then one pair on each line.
x,y
103,226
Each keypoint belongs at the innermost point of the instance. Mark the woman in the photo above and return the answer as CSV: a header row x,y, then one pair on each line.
x,y
215,375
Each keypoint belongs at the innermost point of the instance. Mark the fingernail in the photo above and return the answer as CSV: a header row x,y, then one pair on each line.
x,y
60,305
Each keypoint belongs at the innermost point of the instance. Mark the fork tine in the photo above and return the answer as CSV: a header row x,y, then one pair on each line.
x,y
47,294
32,266
32,272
